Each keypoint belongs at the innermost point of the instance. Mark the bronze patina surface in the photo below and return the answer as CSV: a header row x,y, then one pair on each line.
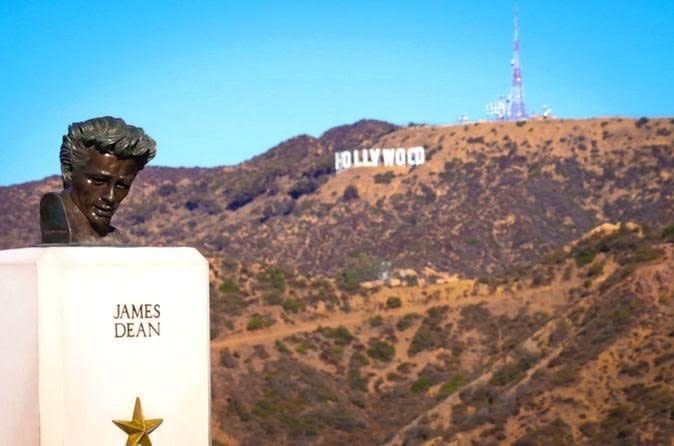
x,y
99,160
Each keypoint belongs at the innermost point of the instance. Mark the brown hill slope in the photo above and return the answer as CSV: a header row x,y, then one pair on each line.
x,y
490,195
577,349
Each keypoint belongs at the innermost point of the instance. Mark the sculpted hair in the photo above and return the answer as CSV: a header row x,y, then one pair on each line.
x,y
107,135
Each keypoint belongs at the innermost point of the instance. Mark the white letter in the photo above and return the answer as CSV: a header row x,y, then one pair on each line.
x,y
364,157
374,157
401,156
416,156
356,159
346,159
389,156
338,162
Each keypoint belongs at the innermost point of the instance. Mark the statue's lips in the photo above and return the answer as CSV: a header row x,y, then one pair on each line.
x,y
104,211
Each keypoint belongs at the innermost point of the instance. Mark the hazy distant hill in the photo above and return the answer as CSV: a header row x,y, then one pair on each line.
x,y
490,195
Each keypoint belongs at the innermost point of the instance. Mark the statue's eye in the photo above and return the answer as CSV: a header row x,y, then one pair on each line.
x,y
122,186
97,180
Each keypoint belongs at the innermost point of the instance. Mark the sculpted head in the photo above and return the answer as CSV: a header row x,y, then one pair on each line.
x,y
99,160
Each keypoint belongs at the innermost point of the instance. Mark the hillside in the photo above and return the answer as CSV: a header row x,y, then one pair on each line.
x,y
515,289
576,349
491,195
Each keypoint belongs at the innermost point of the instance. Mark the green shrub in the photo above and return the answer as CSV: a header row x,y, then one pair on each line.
x,y
356,380
393,302
376,321
644,254
303,347
281,346
273,277
381,350
384,178
257,322
513,372
228,286
360,359
406,321
340,335
293,305
422,384
584,257
358,269
455,382
595,269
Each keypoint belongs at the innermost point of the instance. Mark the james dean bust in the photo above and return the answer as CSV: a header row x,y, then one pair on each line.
x,y
100,158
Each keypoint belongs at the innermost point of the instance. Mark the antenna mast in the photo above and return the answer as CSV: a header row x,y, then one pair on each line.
x,y
517,110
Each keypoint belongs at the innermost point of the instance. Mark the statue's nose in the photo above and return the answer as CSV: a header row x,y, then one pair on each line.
x,y
109,195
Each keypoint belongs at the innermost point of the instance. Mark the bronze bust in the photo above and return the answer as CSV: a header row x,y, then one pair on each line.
x,y
99,160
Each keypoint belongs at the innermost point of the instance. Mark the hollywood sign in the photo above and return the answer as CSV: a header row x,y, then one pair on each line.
x,y
413,156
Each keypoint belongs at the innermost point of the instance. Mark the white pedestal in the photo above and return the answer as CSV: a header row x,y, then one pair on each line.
x,y
86,330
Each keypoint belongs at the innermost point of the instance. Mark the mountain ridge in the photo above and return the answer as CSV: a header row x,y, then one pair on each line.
x,y
490,195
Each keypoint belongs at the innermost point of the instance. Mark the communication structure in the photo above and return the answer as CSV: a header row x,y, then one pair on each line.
x,y
512,108
517,108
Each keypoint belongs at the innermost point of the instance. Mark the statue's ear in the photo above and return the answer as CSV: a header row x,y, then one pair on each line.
x,y
66,178
54,224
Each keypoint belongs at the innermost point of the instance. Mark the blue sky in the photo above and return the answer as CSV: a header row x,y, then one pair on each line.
x,y
219,82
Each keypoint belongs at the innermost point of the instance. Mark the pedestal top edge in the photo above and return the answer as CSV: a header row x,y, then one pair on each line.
x,y
101,254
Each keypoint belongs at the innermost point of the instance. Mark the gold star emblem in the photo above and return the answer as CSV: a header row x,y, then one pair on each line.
x,y
139,429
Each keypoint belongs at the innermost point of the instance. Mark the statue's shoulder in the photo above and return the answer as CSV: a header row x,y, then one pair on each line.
x,y
54,224
117,238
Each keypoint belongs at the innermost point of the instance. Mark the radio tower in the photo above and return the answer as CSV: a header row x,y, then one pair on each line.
x,y
517,109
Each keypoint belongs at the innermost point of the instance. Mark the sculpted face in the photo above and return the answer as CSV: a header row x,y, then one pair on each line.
x,y
98,187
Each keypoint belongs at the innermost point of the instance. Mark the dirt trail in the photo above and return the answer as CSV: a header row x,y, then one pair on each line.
x,y
348,320
357,317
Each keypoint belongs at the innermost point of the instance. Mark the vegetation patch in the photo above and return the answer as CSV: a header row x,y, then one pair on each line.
x,y
451,386
406,321
228,286
384,178
422,384
291,397
376,321
381,350
354,376
258,322
340,335
357,270
556,433
293,305
273,277
393,302
430,335
513,372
